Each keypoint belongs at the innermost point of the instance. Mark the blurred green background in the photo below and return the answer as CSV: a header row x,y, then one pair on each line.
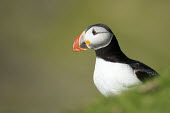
x,y
39,73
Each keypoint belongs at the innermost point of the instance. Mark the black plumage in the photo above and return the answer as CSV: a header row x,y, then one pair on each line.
x,y
113,53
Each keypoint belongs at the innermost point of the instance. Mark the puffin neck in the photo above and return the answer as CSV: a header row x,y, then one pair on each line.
x,y
112,52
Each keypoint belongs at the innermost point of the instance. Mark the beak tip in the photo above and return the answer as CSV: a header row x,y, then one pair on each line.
x,y
76,44
74,49
77,49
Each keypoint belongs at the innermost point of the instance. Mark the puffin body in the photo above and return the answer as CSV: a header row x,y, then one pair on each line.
x,y
111,78
114,71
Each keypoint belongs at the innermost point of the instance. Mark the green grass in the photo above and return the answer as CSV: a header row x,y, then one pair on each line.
x,y
152,97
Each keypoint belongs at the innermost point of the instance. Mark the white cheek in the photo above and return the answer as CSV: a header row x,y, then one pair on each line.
x,y
98,41
101,39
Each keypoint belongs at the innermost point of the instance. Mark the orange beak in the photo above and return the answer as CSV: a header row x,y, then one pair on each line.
x,y
79,44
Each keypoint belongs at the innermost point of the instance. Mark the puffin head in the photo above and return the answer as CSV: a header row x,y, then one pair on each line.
x,y
95,37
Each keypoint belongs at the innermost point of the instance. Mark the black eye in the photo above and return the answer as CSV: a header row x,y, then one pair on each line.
x,y
94,32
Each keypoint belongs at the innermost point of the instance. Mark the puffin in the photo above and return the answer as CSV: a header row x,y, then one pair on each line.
x,y
114,72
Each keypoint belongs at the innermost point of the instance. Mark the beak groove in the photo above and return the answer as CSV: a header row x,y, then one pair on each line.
x,y
79,43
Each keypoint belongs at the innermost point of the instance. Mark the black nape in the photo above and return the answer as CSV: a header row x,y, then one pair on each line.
x,y
112,52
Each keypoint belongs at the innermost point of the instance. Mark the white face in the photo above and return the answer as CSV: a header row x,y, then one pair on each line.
x,y
97,37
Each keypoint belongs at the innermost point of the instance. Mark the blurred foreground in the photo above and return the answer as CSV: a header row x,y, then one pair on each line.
x,y
149,98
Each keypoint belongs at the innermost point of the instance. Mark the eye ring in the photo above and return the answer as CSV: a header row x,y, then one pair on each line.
x,y
94,32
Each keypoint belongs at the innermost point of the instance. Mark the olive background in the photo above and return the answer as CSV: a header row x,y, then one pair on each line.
x,y
39,72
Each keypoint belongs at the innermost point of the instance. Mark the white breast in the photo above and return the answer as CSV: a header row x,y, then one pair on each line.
x,y
111,78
